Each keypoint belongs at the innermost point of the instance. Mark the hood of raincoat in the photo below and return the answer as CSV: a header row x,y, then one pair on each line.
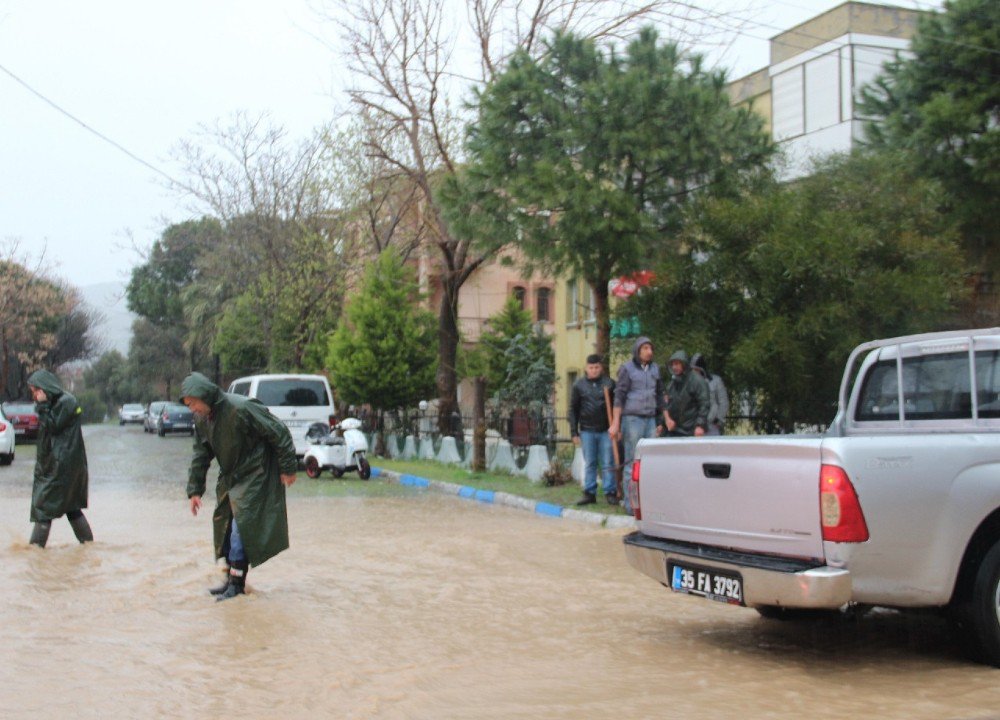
x,y
198,386
639,342
46,381
683,357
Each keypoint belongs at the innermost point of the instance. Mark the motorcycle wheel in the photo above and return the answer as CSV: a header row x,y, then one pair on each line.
x,y
313,468
364,469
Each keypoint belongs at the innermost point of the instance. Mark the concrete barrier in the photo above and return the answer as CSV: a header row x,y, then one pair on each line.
x,y
409,448
577,467
537,464
448,453
426,448
503,458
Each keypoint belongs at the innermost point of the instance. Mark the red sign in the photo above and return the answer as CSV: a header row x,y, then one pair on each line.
x,y
628,285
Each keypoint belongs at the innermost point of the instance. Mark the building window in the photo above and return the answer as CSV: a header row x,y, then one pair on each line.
x,y
542,298
519,293
572,298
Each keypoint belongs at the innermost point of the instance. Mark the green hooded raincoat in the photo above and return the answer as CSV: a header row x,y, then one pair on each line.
x,y
253,449
61,476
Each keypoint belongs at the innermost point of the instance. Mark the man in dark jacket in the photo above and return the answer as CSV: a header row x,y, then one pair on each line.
x,y
588,426
687,408
257,462
638,407
61,478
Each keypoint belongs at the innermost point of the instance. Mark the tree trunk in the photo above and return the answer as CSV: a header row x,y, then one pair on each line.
x,y
5,369
479,424
447,377
603,313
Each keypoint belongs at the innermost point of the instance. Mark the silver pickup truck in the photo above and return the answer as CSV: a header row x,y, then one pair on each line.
x,y
897,504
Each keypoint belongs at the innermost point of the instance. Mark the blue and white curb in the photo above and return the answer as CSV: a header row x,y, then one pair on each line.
x,y
492,497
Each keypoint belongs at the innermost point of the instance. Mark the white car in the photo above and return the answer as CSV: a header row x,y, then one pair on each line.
x,y
6,440
297,400
131,413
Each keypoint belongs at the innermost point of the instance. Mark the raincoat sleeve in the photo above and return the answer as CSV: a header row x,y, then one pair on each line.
x,y
202,458
261,423
703,401
58,416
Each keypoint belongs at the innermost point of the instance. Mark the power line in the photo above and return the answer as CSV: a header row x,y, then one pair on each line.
x,y
88,128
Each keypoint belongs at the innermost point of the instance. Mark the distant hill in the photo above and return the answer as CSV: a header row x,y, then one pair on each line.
x,y
115,330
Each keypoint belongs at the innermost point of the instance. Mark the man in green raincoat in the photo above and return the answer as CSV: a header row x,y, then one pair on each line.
x,y
61,479
257,462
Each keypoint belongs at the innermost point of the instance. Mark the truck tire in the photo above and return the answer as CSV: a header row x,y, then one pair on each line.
x,y
978,619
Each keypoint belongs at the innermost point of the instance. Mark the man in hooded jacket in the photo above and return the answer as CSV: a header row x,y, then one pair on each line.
x,y
688,406
257,462
638,406
61,477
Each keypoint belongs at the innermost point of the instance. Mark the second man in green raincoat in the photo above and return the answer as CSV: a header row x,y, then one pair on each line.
x,y
257,462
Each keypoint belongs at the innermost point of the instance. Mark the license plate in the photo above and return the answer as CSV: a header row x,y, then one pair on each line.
x,y
294,423
19,431
710,583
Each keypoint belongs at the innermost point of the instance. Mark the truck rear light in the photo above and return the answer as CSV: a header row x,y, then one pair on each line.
x,y
839,508
633,491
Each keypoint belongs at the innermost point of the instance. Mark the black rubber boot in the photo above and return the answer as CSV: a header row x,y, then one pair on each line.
x,y
81,528
588,499
237,581
40,533
218,590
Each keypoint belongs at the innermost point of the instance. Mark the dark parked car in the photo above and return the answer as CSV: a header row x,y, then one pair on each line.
x,y
153,411
175,418
23,417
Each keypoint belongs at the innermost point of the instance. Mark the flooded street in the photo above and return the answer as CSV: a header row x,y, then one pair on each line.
x,y
400,603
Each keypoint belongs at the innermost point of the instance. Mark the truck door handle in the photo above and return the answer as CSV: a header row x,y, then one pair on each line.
x,y
717,471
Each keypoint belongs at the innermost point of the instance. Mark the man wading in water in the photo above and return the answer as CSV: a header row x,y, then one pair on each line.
x,y
61,478
256,463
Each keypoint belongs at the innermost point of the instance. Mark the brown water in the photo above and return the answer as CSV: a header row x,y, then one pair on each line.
x,y
398,603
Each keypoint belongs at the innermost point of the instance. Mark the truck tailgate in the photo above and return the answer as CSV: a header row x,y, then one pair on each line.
x,y
758,495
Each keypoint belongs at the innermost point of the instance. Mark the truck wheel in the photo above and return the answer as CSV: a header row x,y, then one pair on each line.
x,y
313,469
364,469
978,620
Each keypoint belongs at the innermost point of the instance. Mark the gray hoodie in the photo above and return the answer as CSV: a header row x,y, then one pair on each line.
x,y
639,390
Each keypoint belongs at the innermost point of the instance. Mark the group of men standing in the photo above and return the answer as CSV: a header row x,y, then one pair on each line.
x,y
637,405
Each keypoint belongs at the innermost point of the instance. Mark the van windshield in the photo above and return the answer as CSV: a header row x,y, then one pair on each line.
x,y
298,393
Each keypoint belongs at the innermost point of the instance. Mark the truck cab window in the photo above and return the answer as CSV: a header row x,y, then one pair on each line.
x,y
880,393
988,383
936,387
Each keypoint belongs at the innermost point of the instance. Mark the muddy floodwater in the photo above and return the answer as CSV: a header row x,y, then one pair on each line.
x,y
399,603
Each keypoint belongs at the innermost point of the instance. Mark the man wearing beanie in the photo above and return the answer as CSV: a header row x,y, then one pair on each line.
x,y
588,424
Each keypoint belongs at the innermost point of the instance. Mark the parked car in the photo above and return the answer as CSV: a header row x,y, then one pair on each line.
x,y
6,440
24,418
174,417
897,504
153,411
131,413
297,400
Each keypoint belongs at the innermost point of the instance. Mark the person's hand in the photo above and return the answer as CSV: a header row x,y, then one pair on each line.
x,y
699,431
287,480
195,504
576,440
659,430
671,423
613,431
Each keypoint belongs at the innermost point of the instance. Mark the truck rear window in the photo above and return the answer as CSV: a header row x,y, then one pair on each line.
x,y
936,387
297,393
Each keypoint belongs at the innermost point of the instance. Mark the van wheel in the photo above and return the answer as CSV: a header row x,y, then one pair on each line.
x,y
313,469
978,619
364,469
7,459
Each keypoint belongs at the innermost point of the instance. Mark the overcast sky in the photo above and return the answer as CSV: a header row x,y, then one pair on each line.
x,y
145,74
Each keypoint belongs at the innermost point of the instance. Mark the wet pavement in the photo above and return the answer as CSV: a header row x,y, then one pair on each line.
x,y
401,603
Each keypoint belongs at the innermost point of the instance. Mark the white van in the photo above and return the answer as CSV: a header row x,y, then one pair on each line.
x,y
296,400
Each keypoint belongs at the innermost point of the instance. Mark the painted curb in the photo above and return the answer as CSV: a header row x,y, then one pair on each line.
x,y
492,497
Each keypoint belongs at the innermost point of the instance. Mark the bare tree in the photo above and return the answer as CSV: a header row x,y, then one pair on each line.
x,y
284,239
411,64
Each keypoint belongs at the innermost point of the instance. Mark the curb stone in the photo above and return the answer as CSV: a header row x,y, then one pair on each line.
x,y
503,498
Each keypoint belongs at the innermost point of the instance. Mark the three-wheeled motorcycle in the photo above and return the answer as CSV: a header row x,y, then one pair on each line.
x,y
338,450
